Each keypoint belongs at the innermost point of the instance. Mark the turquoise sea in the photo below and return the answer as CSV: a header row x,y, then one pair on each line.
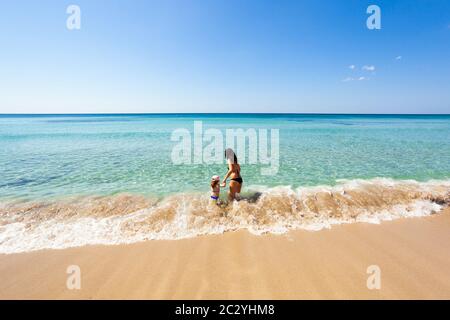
x,y
58,155
73,180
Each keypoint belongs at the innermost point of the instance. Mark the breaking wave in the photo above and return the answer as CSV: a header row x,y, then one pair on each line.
x,y
128,218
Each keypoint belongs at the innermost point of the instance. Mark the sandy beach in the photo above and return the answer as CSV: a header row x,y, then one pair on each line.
x,y
225,150
413,255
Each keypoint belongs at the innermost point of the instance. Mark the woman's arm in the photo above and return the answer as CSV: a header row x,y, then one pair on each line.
x,y
230,171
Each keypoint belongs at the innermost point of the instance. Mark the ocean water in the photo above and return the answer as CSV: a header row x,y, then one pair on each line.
x,y
69,180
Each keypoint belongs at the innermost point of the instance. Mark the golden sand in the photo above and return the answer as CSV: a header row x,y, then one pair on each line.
x,y
413,256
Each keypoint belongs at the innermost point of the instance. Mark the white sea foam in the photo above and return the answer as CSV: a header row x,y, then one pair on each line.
x,y
127,219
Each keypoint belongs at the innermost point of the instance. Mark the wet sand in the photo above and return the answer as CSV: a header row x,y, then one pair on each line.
x,y
413,255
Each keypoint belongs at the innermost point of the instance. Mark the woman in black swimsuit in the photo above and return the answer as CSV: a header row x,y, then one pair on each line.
x,y
234,173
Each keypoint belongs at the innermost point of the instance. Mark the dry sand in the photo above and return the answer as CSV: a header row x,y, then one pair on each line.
x,y
413,254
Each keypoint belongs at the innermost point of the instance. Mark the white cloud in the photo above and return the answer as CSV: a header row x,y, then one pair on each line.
x,y
354,79
369,68
398,58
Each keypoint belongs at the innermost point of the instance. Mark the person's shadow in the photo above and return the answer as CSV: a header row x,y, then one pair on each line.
x,y
252,198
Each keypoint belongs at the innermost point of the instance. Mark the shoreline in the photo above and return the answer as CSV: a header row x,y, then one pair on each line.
x,y
127,218
329,264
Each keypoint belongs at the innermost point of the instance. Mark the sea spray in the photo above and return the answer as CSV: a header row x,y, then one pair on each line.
x,y
127,218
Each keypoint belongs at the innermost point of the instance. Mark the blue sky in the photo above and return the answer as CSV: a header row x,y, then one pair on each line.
x,y
225,56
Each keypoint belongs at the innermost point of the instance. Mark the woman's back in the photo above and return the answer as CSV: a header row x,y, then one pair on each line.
x,y
235,170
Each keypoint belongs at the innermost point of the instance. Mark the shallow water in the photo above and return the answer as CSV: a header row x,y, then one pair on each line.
x,y
75,180
129,218
55,156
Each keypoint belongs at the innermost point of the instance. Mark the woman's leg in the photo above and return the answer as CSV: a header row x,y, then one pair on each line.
x,y
238,195
234,188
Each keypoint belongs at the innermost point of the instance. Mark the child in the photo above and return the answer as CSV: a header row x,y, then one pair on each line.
x,y
215,188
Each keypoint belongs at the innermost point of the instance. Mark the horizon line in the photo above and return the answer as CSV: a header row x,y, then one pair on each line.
x,y
220,113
